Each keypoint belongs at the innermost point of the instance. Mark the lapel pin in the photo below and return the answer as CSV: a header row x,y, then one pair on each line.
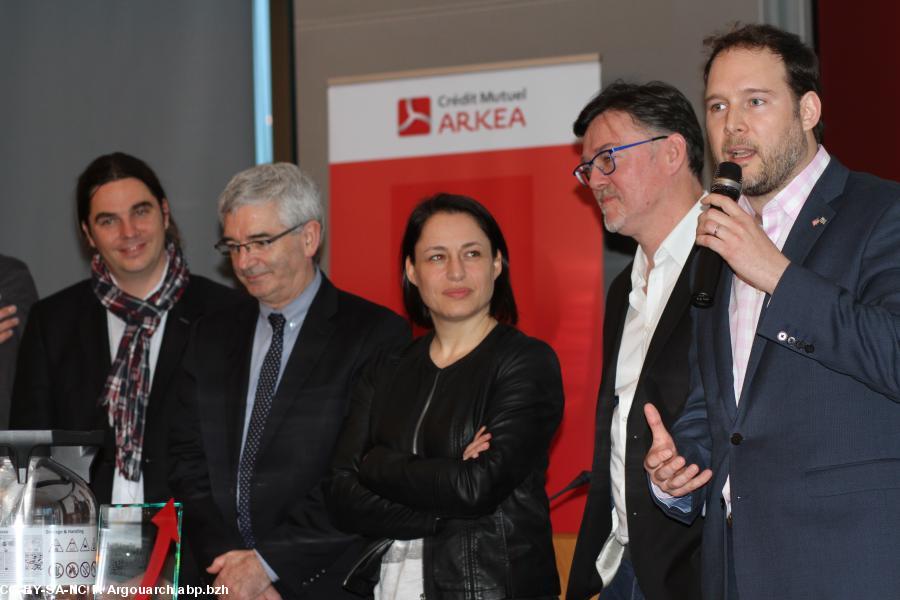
x,y
819,221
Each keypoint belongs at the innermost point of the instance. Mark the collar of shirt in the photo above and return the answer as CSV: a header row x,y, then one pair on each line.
x,y
676,247
155,287
780,213
295,311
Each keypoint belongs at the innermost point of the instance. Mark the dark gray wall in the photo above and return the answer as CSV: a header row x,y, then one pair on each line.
x,y
166,80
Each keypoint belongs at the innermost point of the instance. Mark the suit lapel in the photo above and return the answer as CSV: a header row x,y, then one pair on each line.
x,y
317,329
812,221
678,303
617,310
238,380
94,335
816,214
721,335
175,338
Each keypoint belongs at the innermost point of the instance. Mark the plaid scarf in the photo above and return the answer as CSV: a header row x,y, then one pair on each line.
x,y
127,388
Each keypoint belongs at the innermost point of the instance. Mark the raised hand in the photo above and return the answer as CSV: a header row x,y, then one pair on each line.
x,y
666,468
741,242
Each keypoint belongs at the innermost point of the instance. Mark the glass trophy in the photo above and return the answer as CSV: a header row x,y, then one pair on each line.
x,y
139,549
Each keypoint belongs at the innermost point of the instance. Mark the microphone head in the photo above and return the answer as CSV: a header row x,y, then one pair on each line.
x,y
727,180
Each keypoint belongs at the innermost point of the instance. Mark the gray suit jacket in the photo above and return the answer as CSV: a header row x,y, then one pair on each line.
x,y
16,287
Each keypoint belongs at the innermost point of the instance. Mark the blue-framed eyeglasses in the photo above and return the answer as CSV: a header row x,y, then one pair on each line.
x,y
228,248
605,161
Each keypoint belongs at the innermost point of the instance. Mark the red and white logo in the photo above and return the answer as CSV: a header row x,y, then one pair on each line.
x,y
414,116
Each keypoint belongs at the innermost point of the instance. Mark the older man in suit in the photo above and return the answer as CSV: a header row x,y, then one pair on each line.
x,y
263,396
796,408
644,157
17,294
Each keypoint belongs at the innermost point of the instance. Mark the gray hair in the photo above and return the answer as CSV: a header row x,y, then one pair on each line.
x,y
294,193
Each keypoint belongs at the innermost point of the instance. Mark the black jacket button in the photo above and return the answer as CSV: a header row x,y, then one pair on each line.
x,y
736,439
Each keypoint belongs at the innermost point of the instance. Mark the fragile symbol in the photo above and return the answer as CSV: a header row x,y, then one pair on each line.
x,y
72,570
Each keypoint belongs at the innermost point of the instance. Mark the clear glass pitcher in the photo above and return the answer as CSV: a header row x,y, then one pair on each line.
x,y
48,516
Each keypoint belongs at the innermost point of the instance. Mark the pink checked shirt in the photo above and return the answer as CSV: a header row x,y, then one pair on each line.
x,y
778,218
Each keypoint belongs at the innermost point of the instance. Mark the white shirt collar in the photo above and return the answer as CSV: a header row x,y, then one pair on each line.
x,y
677,246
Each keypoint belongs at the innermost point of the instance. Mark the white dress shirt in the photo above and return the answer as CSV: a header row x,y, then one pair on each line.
x,y
649,295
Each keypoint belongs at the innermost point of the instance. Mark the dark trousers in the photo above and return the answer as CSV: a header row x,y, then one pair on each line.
x,y
624,585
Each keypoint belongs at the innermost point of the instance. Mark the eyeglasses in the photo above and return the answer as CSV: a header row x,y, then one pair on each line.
x,y
605,161
253,246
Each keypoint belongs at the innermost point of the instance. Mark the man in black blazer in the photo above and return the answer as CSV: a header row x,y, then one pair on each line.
x,y
72,339
643,153
263,396
17,294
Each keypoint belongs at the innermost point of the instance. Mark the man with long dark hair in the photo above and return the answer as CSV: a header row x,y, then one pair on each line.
x,y
102,354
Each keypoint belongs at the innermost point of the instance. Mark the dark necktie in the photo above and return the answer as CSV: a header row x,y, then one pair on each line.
x,y
265,392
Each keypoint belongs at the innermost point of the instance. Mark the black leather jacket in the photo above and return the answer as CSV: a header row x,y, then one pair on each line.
x,y
398,471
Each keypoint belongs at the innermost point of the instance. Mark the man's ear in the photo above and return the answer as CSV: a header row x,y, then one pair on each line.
x,y
312,237
164,207
87,235
675,152
810,110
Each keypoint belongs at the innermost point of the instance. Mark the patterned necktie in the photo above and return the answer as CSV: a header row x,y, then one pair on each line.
x,y
265,392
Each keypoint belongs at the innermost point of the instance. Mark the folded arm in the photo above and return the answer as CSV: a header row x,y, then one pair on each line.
x,y
352,505
522,416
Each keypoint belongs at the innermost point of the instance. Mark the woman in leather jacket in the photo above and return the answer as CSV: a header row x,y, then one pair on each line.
x,y
442,458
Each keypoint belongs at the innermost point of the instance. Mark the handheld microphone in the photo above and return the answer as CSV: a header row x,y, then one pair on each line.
x,y
708,264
